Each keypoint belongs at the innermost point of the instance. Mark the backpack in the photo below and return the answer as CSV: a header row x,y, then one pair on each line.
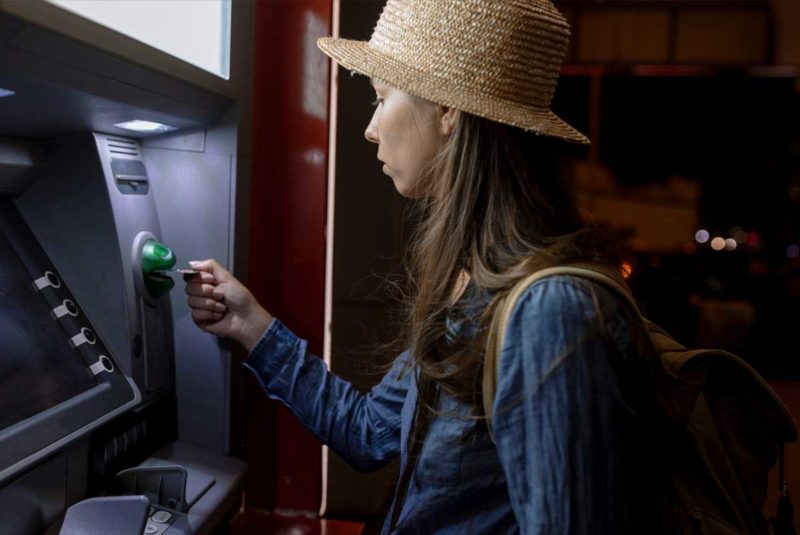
x,y
727,425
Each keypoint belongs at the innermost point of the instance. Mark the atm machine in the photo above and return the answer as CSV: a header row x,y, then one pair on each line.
x,y
114,406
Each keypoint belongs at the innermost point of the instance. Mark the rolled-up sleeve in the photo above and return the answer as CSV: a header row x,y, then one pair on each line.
x,y
560,421
364,429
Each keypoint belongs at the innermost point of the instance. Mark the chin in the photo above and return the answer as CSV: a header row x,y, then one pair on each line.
x,y
403,192
408,193
403,189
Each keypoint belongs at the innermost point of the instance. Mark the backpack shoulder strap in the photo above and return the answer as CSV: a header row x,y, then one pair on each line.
x,y
605,275
675,357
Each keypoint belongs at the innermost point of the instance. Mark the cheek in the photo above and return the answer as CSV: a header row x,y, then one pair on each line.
x,y
393,129
408,144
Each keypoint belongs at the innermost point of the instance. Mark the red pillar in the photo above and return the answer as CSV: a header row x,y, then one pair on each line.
x,y
287,232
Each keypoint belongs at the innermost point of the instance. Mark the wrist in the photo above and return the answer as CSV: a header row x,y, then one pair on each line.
x,y
254,326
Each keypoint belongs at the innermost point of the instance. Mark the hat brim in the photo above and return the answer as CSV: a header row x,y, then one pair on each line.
x,y
363,58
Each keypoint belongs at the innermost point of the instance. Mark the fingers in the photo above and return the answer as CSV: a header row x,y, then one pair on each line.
x,y
205,290
205,297
202,317
203,303
201,277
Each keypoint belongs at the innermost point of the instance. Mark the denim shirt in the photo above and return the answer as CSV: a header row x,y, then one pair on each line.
x,y
567,423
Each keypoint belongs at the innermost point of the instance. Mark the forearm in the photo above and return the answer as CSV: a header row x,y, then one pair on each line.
x,y
258,321
330,407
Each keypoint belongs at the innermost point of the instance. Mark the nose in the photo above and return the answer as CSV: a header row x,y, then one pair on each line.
x,y
371,133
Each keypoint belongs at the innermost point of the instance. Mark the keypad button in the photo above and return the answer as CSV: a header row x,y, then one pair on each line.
x,y
162,517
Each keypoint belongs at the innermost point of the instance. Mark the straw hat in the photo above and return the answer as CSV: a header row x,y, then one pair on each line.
x,y
499,59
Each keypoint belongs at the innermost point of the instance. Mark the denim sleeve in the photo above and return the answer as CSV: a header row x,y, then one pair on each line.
x,y
559,419
362,429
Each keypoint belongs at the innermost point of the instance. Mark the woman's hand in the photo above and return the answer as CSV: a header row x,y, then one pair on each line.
x,y
221,305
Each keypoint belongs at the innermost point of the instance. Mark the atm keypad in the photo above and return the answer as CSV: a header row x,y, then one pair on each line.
x,y
159,521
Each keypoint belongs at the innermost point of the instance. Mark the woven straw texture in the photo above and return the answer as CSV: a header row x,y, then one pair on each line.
x,y
498,59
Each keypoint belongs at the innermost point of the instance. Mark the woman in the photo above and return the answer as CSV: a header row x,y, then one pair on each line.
x,y
461,123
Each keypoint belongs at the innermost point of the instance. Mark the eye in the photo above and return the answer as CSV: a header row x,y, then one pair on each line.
x,y
378,101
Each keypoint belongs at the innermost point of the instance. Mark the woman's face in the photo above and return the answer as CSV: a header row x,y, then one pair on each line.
x,y
408,131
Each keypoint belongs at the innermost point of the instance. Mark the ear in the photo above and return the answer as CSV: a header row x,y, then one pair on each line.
x,y
448,117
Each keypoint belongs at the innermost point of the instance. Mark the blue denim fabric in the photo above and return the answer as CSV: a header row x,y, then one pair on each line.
x,y
566,421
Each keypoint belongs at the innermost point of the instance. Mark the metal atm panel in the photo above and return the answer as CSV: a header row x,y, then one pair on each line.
x,y
88,217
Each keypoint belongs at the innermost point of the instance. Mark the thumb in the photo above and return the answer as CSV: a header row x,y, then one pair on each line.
x,y
211,266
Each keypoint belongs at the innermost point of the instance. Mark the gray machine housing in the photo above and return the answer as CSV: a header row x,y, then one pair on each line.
x,y
92,194
89,226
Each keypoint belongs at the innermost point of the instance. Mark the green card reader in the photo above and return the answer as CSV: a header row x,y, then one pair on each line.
x,y
156,258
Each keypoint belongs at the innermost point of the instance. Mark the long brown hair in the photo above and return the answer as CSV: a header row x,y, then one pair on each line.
x,y
492,205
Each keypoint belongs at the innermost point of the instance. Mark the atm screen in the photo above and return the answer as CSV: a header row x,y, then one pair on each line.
x,y
195,31
38,368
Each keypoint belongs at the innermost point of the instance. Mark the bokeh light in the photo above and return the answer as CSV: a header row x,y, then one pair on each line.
x,y
626,269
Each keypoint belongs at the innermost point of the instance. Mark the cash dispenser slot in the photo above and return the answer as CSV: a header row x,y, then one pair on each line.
x,y
179,490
